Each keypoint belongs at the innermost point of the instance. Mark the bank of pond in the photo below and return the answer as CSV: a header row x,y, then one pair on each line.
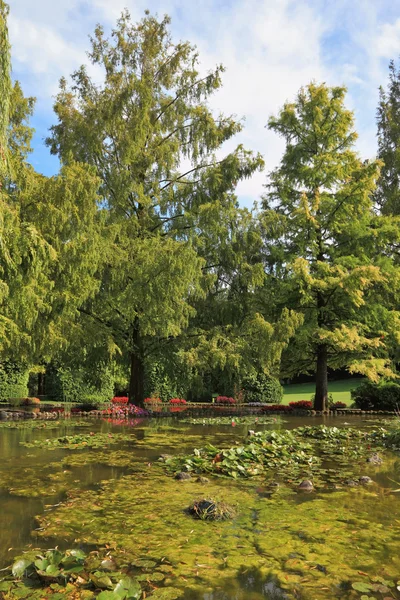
x,y
215,508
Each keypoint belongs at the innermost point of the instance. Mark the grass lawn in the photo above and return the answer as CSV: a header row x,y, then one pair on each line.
x,y
340,390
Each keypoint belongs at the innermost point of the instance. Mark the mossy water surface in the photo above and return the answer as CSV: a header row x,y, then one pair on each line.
x,y
281,543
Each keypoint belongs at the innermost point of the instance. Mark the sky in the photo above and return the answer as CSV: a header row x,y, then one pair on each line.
x,y
270,48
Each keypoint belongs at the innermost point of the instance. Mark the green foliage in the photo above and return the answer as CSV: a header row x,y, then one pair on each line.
x,y
13,380
377,396
134,128
262,388
66,574
65,384
387,194
78,442
323,238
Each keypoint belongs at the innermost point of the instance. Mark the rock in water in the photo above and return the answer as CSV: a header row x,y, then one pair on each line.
x,y
306,486
182,476
365,480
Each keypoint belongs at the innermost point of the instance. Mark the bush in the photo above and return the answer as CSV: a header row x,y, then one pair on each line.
x,y
85,407
121,400
336,405
76,385
152,400
177,401
277,408
377,396
225,400
13,380
301,404
262,388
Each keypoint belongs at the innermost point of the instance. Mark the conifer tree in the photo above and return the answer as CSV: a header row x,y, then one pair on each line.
x,y
324,242
387,193
153,141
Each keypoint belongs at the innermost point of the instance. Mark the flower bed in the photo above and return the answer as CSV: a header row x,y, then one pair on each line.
x,y
120,400
302,405
177,401
225,400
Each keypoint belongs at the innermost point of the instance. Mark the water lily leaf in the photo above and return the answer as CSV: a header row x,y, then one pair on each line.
x,y
41,564
54,557
128,588
53,571
361,586
101,580
106,595
79,554
20,566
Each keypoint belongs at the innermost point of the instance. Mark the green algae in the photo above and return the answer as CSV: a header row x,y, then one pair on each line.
x,y
315,546
41,424
303,545
247,420
79,442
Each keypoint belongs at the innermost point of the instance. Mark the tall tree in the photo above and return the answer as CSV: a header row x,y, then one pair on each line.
x,y
149,133
387,193
319,210
49,232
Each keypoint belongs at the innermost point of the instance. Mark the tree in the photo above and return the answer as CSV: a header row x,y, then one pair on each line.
x,y
387,193
49,232
153,141
324,242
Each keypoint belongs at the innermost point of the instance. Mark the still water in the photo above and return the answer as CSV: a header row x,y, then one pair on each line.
x,y
281,539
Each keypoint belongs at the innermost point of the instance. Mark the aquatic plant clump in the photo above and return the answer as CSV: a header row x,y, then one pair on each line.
x,y
211,510
76,442
70,574
289,453
233,421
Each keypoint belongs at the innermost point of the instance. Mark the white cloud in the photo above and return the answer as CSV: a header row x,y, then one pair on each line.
x,y
270,49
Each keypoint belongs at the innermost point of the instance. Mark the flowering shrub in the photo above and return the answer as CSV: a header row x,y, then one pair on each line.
x,y
152,400
177,401
338,405
302,404
125,411
225,400
277,407
120,400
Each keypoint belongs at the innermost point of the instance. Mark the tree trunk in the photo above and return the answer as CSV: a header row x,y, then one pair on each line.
x,y
41,384
136,382
321,387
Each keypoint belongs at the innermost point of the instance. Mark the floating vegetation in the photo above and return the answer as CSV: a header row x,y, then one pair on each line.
x,y
233,421
77,442
290,454
71,574
211,510
39,424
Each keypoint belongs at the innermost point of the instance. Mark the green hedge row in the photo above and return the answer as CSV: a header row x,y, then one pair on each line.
x,y
13,380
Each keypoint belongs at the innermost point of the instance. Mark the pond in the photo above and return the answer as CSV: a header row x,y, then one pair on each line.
x,y
335,542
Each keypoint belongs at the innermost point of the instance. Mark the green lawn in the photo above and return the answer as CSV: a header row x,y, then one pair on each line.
x,y
340,390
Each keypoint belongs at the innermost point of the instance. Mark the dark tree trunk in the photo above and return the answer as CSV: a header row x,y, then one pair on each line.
x,y
321,383
136,382
40,386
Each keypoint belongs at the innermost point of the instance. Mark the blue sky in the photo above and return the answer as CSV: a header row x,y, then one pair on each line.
x,y
269,47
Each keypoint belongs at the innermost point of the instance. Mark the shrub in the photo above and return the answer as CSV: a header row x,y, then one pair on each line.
x,y
225,400
262,388
277,407
301,404
177,401
336,405
13,380
74,385
377,396
120,400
